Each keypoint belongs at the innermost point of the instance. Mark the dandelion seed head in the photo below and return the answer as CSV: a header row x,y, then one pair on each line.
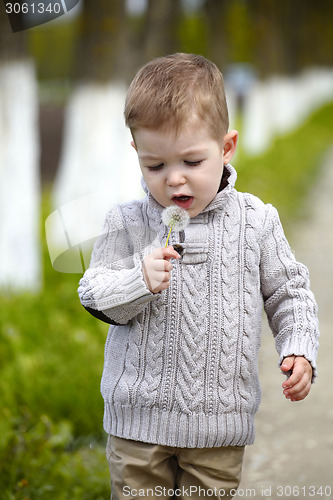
x,y
175,217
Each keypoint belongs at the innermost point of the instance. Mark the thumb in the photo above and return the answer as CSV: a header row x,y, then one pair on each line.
x,y
287,363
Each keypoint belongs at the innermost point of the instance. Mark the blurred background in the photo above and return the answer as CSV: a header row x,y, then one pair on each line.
x,y
65,156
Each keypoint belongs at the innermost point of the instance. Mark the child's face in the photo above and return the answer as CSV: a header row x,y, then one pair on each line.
x,y
183,170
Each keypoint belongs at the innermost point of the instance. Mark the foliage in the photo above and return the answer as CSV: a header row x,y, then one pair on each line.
x,y
52,444
192,35
275,37
53,49
283,175
238,24
40,460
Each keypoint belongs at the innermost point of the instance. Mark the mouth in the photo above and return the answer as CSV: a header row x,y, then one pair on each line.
x,y
183,201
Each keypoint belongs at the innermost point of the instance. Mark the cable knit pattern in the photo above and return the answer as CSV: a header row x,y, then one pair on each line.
x,y
181,365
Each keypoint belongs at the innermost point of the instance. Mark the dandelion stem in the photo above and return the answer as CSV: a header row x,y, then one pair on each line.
x,y
166,243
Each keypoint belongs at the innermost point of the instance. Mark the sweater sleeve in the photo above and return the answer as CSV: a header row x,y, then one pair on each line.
x,y
114,283
289,303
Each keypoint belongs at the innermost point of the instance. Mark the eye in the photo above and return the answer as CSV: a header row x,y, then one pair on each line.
x,y
155,168
193,163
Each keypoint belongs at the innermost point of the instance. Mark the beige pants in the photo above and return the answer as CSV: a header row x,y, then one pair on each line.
x,y
141,470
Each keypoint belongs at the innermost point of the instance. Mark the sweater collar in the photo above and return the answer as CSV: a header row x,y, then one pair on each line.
x,y
227,185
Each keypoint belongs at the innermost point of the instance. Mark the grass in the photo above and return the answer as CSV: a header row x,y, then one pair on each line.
x,y
284,174
52,444
51,350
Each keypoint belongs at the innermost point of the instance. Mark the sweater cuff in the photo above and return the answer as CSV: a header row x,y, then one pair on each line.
x,y
130,289
135,286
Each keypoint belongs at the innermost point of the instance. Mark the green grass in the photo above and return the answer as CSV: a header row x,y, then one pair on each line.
x,y
284,174
52,444
51,350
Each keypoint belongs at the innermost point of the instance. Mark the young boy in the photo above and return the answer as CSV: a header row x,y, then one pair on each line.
x,y
180,380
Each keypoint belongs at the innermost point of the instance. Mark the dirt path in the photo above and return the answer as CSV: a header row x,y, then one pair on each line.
x,y
293,453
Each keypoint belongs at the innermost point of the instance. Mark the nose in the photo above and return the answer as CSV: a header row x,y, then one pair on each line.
x,y
175,177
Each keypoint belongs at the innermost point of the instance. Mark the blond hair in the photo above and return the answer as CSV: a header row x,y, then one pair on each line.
x,y
169,91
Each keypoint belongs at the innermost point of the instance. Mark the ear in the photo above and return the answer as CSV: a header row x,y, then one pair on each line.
x,y
230,144
133,145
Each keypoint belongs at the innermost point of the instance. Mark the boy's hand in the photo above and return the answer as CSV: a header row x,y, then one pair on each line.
x,y
298,385
156,268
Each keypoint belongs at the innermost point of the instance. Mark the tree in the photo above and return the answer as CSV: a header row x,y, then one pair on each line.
x,y
291,35
97,161
218,46
20,266
161,28
102,45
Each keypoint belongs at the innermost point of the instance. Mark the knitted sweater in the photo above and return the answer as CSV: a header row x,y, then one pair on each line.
x,y
181,366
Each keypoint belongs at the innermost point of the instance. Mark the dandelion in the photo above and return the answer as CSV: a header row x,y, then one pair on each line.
x,y
175,218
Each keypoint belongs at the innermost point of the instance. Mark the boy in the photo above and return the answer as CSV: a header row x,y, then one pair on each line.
x,y
180,380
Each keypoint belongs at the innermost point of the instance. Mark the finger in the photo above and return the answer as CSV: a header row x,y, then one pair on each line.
x,y
287,363
294,378
159,277
170,253
300,369
300,394
166,277
164,285
155,273
161,286
303,381
298,387
162,265
165,253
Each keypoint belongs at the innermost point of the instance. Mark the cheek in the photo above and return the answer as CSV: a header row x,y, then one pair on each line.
x,y
154,184
209,180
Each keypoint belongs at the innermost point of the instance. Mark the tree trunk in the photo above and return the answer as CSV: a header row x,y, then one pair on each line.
x,y
97,161
20,256
102,47
161,32
215,13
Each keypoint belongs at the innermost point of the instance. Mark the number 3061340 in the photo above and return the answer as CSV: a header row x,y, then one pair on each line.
x,y
33,8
